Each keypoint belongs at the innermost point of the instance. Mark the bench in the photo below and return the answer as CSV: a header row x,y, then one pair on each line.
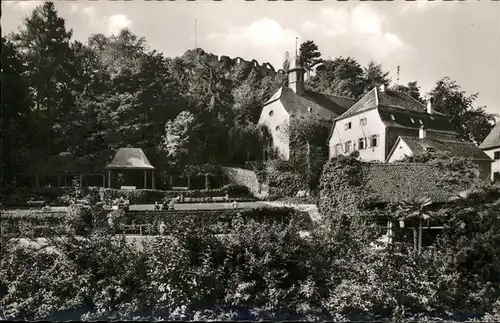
x,y
35,203
128,187
179,188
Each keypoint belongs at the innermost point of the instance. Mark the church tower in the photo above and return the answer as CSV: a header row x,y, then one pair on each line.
x,y
296,75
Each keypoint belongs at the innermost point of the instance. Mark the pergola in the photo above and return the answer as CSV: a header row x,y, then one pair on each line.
x,y
129,159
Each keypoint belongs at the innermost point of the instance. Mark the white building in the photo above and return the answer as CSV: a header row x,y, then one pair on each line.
x,y
491,146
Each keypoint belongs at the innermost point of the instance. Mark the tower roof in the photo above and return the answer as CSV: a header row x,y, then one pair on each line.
x,y
493,139
129,158
295,64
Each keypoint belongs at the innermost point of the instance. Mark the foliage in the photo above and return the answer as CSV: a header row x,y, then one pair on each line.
x,y
412,89
340,76
261,271
374,76
470,122
342,187
309,55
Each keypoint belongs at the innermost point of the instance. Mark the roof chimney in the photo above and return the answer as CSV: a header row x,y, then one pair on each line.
x,y
382,88
422,133
430,110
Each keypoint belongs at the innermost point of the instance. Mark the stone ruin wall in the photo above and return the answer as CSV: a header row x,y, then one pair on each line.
x,y
266,69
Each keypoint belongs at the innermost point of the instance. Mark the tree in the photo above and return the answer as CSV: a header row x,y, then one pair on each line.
x,y
16,125
341,76
412,89
309,55
178,137
45,46
375,76
286,62
470,122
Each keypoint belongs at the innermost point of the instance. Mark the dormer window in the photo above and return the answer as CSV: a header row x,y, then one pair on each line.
x,y
271,113
362,121
420,120
412,120
348,126
309,109
393,117
277,128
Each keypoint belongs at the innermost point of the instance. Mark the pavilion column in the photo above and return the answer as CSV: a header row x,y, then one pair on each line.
x,y
153,179
145,178
189,182
109,179
104,180
58,180
207,182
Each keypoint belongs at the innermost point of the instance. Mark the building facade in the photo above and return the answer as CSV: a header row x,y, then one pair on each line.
x,y
491,147
294,101
374,123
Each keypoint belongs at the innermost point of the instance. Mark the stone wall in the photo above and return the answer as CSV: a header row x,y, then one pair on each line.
x,y
266,69
246,178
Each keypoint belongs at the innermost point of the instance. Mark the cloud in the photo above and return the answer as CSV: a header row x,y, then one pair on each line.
x,y
89,12
334,29
362,28
264,38
25,6
425,5
118,22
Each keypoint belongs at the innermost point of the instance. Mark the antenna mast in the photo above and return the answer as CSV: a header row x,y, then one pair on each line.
x,y
296,44
195,33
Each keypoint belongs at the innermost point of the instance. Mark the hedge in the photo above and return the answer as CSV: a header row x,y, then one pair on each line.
x,y
59,196
217,221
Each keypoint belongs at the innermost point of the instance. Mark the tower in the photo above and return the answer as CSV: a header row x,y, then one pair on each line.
x,y
296,75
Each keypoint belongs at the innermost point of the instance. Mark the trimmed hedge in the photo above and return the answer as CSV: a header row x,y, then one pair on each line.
x,y
217,221
59,196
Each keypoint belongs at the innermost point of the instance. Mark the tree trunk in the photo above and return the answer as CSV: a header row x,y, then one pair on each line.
x,y
415,238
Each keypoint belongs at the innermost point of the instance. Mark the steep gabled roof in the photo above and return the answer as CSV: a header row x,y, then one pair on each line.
x,y
325,105
129,158
397,182
387,100
493,139
452,148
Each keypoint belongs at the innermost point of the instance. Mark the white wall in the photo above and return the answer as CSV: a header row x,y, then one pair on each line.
x,y
374,126
279,118
495,165
400,151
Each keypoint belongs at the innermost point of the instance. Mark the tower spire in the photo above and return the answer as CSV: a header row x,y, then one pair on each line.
x,y
296,46
398,74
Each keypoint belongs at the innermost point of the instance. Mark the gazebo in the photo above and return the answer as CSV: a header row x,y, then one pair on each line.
x,y
130,160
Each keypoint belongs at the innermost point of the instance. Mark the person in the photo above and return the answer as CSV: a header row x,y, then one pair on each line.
x,y
110,220
227,197
171,205
235,204
162,228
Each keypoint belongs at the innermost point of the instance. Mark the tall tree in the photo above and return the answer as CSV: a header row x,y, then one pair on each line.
x,y
15,119
45,46
340,76
309,55
412,89
470,122
374,76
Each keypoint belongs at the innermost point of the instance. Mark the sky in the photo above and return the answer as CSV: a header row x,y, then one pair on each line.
x,y
428,40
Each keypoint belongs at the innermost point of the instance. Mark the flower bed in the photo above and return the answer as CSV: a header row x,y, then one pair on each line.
x,y
59,196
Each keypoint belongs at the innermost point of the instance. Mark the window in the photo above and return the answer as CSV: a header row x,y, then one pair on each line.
x,y
347,126
347,146
362,121
338,149
362,143
374,141
412,120
420,120
496,176
271,113
497,155
393,117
